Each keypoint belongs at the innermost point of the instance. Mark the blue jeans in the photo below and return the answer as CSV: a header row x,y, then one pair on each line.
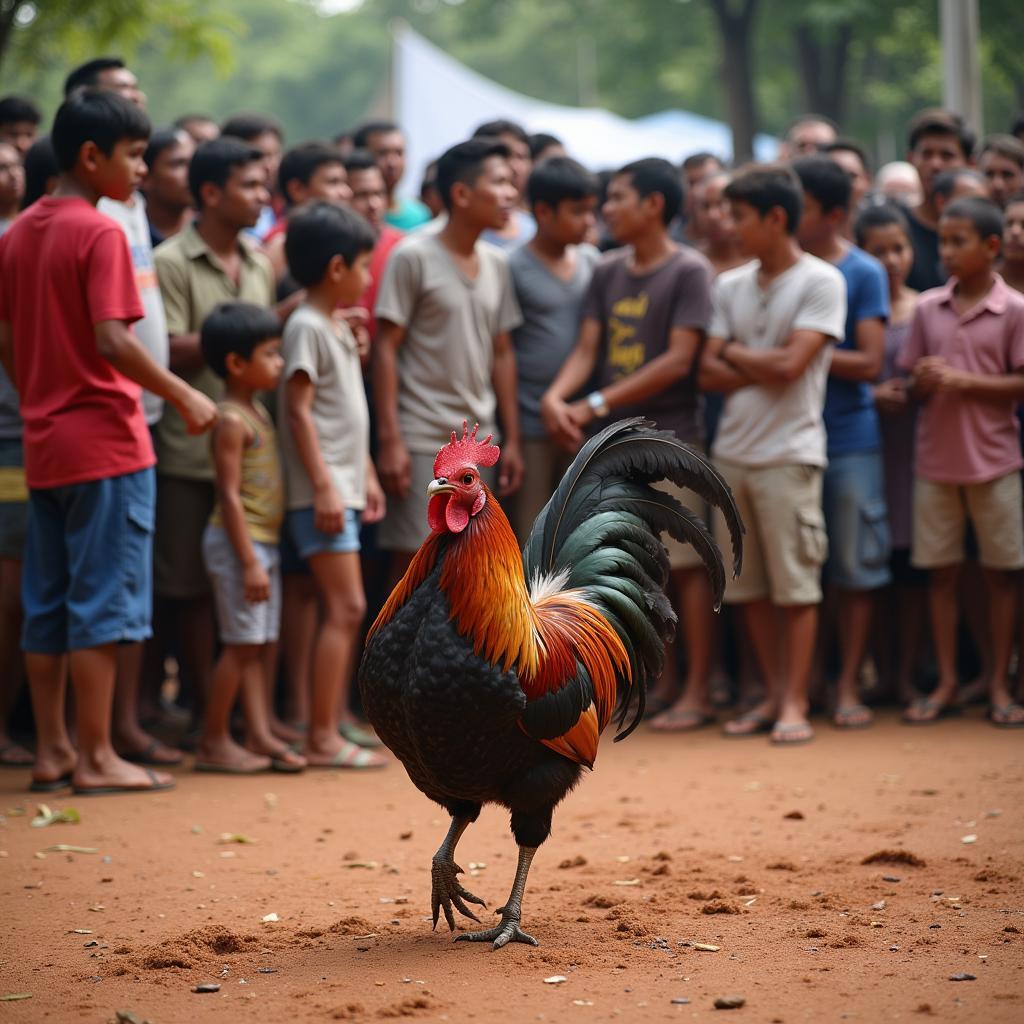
x,y
853,499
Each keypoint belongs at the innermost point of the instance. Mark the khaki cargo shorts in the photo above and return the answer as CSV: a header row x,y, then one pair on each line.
x,y
940,520
785,544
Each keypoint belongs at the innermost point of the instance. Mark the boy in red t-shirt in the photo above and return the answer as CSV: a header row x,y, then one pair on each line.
x,y
67,300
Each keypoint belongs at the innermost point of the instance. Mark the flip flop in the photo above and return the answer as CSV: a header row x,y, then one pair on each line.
x,y
147,756
791,734
7,748
215,768
683,720
754,723
1002,715
154,787
359,736
50,785
846,718
354,757
935,709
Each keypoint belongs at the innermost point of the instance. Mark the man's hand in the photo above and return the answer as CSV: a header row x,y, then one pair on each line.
x,y
510,469
933,373
256,583
328,510
560,423
891,396
394,467
376,503
198,412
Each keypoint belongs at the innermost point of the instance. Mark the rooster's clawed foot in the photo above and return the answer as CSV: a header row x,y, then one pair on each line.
x,y
501,934
445,891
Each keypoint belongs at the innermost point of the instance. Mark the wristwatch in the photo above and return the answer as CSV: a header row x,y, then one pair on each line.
x,y
597,402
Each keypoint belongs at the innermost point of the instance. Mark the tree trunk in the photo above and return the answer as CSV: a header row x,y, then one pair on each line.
x,y
823,69
736,30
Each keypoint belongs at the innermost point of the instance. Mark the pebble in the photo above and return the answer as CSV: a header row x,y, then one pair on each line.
x,y
729,1002
682,1001
969,839
555,979
891,878
963,976
206,987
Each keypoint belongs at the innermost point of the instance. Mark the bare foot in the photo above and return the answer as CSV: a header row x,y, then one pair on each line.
x,y
108,772
143,748
342,754
282,757
682,717
52,765
14,755
758,719
285,732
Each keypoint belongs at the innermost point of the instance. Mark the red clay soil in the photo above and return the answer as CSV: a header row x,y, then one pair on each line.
x,y
833,878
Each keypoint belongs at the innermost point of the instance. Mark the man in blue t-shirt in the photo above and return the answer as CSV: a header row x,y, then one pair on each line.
x,y
853,494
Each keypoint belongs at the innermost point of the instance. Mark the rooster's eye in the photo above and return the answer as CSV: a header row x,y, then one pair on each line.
x,y
467,479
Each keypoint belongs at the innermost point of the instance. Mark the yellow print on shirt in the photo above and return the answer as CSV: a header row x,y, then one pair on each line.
x,y
626,352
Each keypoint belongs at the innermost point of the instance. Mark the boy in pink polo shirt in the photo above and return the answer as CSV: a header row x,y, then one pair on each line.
x,y
966,354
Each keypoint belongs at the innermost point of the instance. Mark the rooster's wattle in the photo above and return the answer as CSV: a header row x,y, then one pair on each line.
x,y
491,673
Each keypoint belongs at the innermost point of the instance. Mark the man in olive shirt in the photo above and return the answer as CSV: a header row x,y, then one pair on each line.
x,y
207,263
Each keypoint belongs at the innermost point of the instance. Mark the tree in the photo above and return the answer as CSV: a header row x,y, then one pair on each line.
x,y
736,30
34,33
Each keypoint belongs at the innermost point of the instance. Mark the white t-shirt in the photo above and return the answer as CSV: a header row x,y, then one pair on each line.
x,y
151,330
327,353
447,356
779,425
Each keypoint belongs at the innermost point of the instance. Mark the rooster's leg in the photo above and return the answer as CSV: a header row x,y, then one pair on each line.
x,y
508,930
445,889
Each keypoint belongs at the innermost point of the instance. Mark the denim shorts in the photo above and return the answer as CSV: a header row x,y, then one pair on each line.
x,y
241,622
308,540
853,499
87,577
13,499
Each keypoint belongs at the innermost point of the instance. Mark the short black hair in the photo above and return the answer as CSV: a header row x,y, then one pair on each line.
x,y
985,216
539,141
88,74
766,186
880,215
17,109
362,135
95,115
464,163
701,158
320,231
492,129
359,160
559,178
848,145
235,328
824,180
251,126
936,121
944,184
40,168
213,162
161,139
654,174
301,162
1008,146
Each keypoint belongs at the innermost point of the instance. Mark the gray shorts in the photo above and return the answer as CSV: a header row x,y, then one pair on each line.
x,y
405,528
241,622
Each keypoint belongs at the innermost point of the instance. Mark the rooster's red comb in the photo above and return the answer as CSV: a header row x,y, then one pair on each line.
x,y
464,450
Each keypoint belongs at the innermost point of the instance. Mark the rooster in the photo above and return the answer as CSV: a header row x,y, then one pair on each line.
x,y
491,673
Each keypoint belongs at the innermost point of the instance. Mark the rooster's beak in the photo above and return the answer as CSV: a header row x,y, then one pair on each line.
x,y
439,487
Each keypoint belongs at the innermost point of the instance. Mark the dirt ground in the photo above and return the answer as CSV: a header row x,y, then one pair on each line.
x,y
672,842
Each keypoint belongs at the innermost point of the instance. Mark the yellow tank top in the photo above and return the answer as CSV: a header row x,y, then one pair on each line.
x,y
262,489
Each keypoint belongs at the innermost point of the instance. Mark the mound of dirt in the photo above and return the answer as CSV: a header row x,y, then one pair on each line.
x,y
193,949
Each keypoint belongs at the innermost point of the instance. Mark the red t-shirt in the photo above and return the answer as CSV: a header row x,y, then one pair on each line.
x,y
389,237
65,267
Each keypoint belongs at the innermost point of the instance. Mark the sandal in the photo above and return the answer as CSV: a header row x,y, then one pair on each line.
x,y
680,720
853,716
149,756
750,723
1007,716
358,735
153,787
926,710
354,756
790,734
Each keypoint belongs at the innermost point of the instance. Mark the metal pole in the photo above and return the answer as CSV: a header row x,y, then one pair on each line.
x,y
961,72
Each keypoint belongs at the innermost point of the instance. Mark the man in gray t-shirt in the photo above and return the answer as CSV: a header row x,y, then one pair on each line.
x,y
443,352
551,275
